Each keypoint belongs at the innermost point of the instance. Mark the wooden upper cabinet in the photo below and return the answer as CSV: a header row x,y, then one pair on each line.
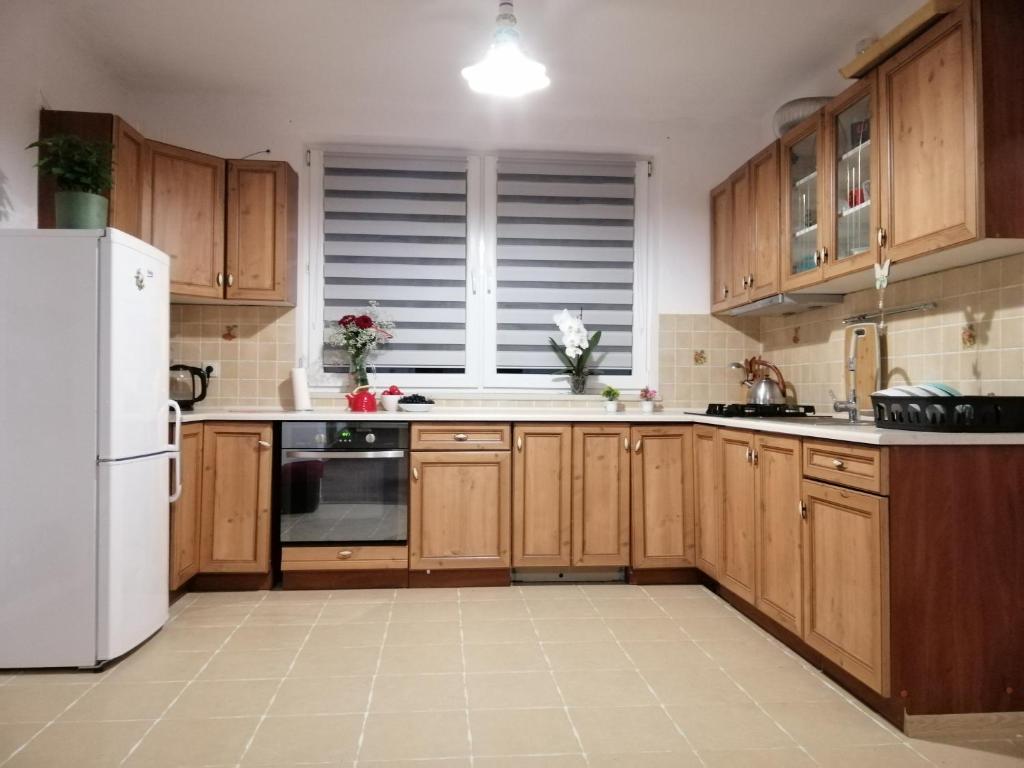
x,y
542,495
460,510
662,497
804,190
130,168
721,246
742,235
707,493
183,215
737,567
185,512
600,495
237,461
779,532
846,571
763,279
262,211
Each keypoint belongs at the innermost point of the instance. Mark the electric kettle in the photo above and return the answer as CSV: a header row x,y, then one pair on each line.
x,y
183,384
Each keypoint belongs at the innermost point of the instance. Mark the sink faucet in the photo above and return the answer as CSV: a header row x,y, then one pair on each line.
x,y
849,405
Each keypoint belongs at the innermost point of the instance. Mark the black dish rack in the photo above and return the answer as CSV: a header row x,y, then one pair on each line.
x,y
949,414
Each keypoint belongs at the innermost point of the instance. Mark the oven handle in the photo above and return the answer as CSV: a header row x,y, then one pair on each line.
x,y
344,454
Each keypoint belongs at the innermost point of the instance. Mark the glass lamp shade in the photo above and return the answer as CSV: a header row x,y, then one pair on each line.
x,y
506,71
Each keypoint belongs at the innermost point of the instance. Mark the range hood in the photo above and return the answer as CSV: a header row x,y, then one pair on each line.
x,y
785,304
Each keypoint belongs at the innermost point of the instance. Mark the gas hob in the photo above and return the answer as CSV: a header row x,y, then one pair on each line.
x,y
754,410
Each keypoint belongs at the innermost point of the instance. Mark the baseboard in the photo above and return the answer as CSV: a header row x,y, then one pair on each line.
x,y
479,577
646,576
974,726
230,582
383,578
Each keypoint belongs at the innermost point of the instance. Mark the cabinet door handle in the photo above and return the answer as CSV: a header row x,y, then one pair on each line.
x,y
262,443
625,444
231,280
749,453
519,443
882,237
460,437
725,292
817,257
636,448
220,279
824,255
345,554
415,474
838,463
750,280
753,458
803,509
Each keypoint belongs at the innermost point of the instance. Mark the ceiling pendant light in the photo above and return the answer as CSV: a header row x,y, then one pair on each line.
x,y
506,70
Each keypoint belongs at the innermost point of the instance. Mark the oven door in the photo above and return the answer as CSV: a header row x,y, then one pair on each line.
x,y
344,497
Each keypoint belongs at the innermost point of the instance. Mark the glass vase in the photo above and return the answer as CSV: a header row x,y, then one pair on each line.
x,y
357,370
578,382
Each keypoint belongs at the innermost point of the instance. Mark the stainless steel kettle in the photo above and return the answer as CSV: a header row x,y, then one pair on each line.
x,y
763,389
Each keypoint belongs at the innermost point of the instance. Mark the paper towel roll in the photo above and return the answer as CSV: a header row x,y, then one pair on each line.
x,y
300,390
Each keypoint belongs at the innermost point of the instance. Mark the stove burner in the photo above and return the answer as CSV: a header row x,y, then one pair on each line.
x,y
755,410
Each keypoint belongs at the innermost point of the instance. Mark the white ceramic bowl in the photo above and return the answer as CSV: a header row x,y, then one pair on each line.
x,y
390,402
416,407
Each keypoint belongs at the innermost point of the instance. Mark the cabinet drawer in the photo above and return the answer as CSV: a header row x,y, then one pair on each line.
x,y
461,437
341,558
855,466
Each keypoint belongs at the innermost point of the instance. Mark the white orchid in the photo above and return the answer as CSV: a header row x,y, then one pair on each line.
x,y
576,344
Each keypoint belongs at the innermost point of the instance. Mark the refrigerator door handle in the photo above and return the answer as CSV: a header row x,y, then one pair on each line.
x,y
175,451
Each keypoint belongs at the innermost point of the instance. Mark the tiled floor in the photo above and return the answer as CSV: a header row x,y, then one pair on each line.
x,y
546,677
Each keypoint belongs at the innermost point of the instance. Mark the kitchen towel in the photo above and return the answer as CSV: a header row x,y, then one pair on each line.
x,y
300,390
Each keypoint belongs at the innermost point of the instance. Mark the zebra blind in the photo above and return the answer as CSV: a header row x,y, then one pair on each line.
x,y
395,232
565,240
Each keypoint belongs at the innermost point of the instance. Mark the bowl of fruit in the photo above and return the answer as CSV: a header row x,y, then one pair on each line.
x,y
389,398
415,403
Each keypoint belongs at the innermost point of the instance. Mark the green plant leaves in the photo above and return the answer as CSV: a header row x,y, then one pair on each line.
x,y
76,164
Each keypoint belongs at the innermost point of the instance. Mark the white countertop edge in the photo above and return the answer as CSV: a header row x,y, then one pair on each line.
x,y
863,433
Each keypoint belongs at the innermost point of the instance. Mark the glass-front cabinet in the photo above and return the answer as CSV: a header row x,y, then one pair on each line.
x,y
803,191
854,167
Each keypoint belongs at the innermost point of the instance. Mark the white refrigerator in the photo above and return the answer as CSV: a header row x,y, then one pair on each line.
x,y
84,449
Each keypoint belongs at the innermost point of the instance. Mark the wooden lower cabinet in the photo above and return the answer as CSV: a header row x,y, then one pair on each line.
x,y
235,529
779,531
185,512
600,495
846,592
662,497
737,564
460,510
707,500
542,495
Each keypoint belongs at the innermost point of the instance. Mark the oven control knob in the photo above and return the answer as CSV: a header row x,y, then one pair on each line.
x,y
371,438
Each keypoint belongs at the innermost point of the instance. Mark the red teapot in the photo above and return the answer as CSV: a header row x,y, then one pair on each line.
x,y
362,400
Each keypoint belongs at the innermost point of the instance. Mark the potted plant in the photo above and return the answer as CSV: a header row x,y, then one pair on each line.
x,y
575,349
647,398
82,170
611,396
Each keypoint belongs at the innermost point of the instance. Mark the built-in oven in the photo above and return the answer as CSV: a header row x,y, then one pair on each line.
x,y
344,483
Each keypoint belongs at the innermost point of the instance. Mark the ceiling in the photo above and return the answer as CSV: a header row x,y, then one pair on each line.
x,y
705,60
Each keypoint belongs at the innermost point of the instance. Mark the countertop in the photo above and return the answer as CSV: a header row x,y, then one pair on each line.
x,y
832,429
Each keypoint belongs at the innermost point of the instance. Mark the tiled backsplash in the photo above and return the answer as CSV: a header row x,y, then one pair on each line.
x,y
694,350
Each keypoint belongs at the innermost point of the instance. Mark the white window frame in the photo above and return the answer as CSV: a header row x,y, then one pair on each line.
x,y
480,376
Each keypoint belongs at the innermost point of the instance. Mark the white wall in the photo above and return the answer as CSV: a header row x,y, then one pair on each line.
x,y
41,65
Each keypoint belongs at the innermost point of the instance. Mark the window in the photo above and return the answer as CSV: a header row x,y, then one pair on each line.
x,y
472,256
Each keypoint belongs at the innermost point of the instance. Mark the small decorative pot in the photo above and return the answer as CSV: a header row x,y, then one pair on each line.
x,y
647,406
80,210
612,406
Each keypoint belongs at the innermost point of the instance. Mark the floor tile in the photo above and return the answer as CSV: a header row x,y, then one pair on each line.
x,y
551,591
346,635
829,724
14,736
645,630
321,695
37,704
972,754
433,595
443,762
402,736
491,610
785,757
521,732
574,630
586,656
575,608
248,665
267,638
748,654
499,631
273,614
345,612
628,609
123,701
889,756
504,657
223,698
508,690
646,760
728,726
695,685
669,655
677,591
402,612
364,596
482,594
684,608
149,665
627,730
417,693
335,662
423,633
423,659
80,745
531,761
718,627
602,688
306,739
786,684
172,638
613,591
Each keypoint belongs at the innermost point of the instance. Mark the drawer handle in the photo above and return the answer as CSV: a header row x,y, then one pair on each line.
x,y
838,463
636,448
519,443
345,554
625,444
803,509
262,443
415,474
460,437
